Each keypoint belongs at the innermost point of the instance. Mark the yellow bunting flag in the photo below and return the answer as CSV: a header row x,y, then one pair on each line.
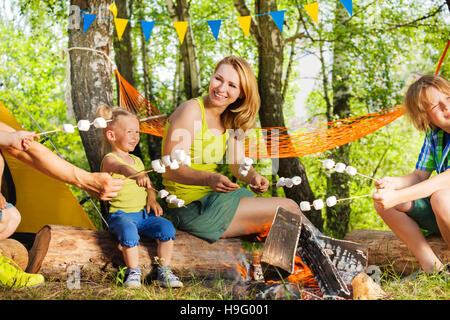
x,y
313,11
181,27
245,24
121,24
113,9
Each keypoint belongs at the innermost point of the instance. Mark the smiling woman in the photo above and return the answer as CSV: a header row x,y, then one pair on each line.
x,y
215,206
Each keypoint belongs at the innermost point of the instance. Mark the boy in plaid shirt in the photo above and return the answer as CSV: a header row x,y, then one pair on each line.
x,y
415,200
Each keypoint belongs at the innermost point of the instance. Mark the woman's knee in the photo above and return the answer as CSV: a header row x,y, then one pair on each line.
x,y
10,221
290,205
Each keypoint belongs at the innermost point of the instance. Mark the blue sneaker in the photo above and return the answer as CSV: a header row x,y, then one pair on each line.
x,y
133,278
167,279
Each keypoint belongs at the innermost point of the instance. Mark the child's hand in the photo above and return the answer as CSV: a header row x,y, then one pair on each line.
x,y
143,181
154,205
386,183
21,140
385,199
259,184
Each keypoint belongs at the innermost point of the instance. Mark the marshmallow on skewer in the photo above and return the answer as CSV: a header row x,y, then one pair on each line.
x,y
100,123
351,170
171,198
243,172
305,206
179,203
288,182
281,182
296,180
174,165
318,204
83,125
163,193
187,161
157,166
166,160
331,201
68,128
340,167
180,155
328,164
248,161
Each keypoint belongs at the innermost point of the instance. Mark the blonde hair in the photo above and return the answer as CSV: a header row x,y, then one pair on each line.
x,y
416,101
242,113
111,115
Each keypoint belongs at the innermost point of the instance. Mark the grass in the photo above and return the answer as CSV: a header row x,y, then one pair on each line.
x,y
424,287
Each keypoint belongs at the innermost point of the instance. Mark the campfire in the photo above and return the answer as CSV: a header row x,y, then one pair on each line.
x,y
300,262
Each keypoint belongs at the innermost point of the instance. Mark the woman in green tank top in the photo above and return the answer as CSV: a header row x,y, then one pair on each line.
x,y
215,206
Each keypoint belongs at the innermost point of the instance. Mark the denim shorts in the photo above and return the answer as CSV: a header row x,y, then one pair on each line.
x,y
423,214
8,205
128,226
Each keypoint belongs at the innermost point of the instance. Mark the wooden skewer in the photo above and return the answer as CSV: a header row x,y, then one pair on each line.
x,y
354,197
138,174
45,132
153,117
363,175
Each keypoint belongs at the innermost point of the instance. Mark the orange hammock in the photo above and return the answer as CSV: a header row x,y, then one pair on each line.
x,y
274,142
277,142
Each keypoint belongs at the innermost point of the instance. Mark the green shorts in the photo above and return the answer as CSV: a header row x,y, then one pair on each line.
x,y
423,214
209,217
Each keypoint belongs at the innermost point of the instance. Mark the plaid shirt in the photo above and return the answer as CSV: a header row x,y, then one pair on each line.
x,y
435,153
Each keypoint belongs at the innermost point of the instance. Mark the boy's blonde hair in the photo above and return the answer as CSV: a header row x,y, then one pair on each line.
x,y
110,114
242,113
416,101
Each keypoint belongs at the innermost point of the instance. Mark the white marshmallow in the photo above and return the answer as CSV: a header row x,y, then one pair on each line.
x,y
83,125
248,161
100,123
179,203
318,204
166,160
296,180
331,201
281,182
328,164
161,170
171,198
288,182
242,172
163,193
246,167
68,128
351,170
180,155
174,165
305,206
339,167
187,161
157,166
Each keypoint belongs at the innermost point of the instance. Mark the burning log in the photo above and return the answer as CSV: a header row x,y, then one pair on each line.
x,y
14,250
56,248
385,249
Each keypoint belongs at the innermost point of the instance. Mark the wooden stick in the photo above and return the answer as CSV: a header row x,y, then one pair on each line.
x,y
354,197
138,174
363,175
45,132
153,117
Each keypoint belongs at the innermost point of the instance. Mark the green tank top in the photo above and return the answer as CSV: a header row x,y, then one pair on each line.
x,y
209,149
131,198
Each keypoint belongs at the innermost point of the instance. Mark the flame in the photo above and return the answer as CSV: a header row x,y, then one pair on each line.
x,y
302,275
265,231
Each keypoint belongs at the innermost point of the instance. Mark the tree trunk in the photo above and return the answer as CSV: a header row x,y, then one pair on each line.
x,y
388,251
337,183
57,248
180,12
91,75
270,66
14,250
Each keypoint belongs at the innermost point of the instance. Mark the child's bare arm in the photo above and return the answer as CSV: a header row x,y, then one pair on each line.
x,y
402,182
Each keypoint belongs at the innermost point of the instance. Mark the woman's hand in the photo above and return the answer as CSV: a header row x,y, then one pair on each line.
x,y
259,184
220,183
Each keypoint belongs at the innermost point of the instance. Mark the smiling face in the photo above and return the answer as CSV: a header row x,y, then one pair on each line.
x,y
124,135
439,109
225,86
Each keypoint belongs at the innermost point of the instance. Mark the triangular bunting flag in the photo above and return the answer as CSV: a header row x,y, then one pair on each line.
x,y
278,18
313,11
348,5
181,27
87,21
121,24
214,25
147,27
113,9
245,24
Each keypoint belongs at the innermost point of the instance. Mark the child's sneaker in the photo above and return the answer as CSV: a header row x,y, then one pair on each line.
x,y
12,276
167,279
133,278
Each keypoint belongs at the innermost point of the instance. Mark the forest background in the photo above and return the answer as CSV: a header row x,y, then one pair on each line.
x,y
363,63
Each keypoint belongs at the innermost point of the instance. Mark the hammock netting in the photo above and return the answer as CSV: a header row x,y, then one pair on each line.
x,y
273,142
